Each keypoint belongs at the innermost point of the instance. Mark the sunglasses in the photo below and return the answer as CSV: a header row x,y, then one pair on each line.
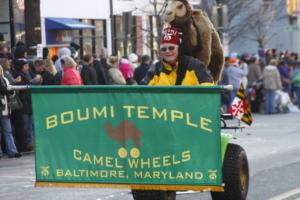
x,y
170,48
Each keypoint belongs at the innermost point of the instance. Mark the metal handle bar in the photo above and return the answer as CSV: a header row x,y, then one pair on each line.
x,y
18,87
227,87
26,87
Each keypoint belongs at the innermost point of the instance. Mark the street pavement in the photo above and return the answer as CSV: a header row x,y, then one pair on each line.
x,y
272,146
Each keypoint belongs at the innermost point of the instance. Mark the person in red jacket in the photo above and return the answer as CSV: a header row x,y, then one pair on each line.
x,y
70,75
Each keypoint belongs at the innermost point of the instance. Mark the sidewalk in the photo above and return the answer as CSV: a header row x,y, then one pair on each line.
x,y
17,176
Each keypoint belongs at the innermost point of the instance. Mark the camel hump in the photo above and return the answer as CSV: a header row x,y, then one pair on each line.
x,y
199,12
202,20
129,127
196,12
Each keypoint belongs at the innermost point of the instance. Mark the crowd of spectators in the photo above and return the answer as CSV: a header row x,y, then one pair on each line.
x,y
66,68
272,80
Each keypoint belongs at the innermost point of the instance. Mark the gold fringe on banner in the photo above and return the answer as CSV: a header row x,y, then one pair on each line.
x,y
129,186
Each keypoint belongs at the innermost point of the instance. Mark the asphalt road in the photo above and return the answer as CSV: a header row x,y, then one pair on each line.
x,y
272,146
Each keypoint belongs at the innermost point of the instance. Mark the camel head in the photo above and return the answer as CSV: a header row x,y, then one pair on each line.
x,y
177,12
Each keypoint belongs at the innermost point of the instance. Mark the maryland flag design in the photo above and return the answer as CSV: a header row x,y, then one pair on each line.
x,y
240,108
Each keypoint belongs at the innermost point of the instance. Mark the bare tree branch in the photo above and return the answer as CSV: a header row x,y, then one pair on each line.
x,y
250,21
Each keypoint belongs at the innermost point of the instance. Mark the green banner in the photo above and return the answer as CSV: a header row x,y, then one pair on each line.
x,y
140,137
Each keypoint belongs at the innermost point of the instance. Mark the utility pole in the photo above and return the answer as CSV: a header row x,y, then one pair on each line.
x,y
293,13
32,24
113,28
12,24
220,21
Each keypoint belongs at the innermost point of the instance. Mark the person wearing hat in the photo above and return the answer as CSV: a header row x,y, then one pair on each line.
x,y
22,69
174,68
61,52
114,71
133,59
88,72
70,75
141,71
20,51
74,53
235,76
127,71
74,48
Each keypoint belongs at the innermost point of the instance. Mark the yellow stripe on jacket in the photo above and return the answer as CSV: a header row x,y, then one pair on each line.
x,y
196,74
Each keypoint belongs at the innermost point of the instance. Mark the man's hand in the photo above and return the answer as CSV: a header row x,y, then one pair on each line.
x,y
38,79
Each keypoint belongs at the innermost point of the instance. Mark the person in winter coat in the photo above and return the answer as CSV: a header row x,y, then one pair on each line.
x,y
70,75
133,59
175,68
22,70
225,95
88,72
39,68
49,67
61,52
254,71
20,51
141,71
244,66
126,70
285,74
5,118
296,82
114,71
271,82
235,76
101,71
16,117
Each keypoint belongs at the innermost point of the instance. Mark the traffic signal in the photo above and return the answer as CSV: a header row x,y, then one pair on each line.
x,y
220,16
292,7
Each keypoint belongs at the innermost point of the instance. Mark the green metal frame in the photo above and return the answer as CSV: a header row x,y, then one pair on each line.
x,y
225,138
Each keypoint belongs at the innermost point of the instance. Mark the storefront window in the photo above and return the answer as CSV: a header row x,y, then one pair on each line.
x,y
125,42
99,36
87,35
87,45
5,34
19,18
76,36
92,40
4,23
120,35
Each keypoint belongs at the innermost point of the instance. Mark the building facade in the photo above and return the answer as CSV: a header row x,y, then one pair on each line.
x,y
121,26
86,23
12,21
282,33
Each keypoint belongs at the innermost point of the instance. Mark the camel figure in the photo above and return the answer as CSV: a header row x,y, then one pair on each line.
x,y
124,131
200,39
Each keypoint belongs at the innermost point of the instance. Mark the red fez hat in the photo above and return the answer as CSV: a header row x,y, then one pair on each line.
x,y
170,35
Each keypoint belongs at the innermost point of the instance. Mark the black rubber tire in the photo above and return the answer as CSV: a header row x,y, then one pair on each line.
x,y
153,195
235,175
